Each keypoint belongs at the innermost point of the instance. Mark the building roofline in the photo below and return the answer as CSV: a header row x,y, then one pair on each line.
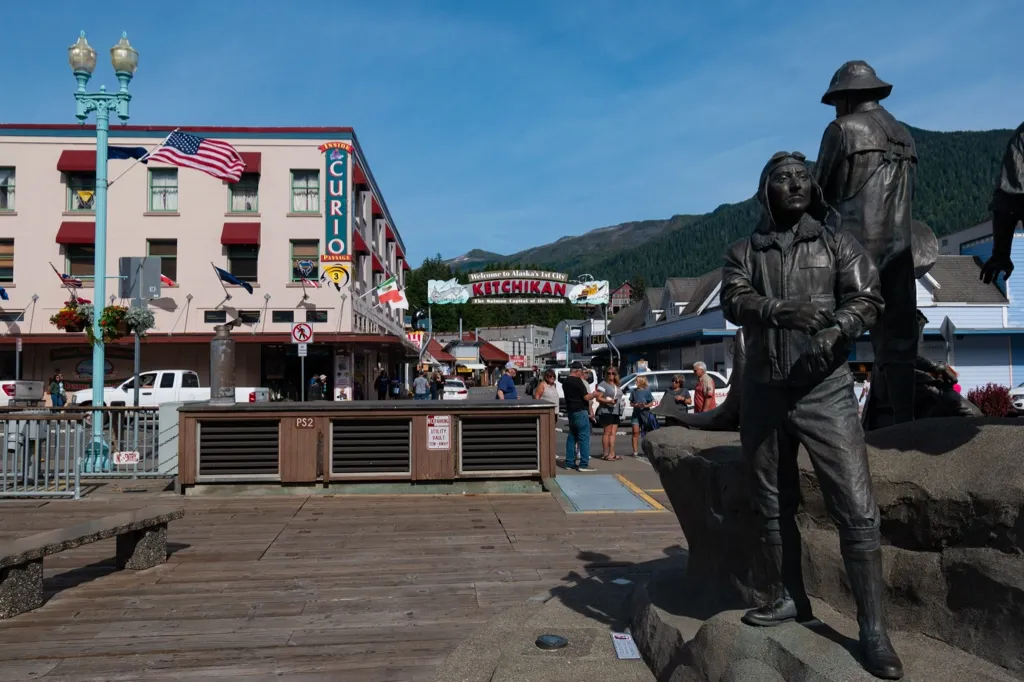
x,y
16,128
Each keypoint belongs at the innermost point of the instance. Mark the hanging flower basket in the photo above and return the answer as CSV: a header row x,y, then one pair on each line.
x,y
139,320
112,324
71,317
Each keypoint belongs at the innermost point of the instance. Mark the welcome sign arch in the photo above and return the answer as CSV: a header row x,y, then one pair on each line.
x,y
524,287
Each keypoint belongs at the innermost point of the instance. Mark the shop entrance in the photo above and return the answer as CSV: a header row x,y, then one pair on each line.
x,y
281,372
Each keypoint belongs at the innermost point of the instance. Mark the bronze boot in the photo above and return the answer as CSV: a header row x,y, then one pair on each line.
x,y
878,655
781,608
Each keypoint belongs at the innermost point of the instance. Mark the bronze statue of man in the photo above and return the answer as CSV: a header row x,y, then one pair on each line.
x,y
803,292
1007,208
866,168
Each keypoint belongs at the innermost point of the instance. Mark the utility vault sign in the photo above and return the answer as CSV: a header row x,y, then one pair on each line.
x,y
517,286
439,432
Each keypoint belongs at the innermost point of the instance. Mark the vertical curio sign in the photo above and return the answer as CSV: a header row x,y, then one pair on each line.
x,y
338,237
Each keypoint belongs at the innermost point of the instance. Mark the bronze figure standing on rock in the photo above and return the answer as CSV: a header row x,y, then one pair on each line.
x,y
803,293
866,168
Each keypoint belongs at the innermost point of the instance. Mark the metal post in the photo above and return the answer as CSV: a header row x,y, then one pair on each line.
x,y
17,360
302,378
100,269
607,343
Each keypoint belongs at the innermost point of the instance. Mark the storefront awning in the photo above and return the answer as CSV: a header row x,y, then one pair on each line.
x,y
358,176
76,233
77,161
471,365
377,211
358,243
253,161
405,265
245,234
389,233
377,265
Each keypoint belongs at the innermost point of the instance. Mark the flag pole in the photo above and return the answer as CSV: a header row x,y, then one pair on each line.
x,y
227,294
302,280
63,281
146,156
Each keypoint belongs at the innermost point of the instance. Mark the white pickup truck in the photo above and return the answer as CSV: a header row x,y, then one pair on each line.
x,y
165,386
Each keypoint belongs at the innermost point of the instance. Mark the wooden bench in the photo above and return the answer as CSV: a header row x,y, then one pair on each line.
x,y
141,543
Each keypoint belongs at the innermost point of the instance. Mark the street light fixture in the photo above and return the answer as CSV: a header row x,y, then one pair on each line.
x,y
125,60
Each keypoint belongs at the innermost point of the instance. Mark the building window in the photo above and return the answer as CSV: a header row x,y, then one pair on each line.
x,y
80,259
282,316
243,260
305,191
316,316
305,259
6,189
249,316
6,260
215,316
12,315
244,194
167,250
81,191
163,190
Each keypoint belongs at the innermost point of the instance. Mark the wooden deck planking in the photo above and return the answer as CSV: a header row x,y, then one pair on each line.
x,y
325,587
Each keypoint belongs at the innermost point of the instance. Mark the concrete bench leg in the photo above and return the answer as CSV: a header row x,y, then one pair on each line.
x,y
21,588
145,548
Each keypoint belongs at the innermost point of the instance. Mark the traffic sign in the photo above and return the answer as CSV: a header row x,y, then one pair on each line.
x,y
302,333
302,350
948,330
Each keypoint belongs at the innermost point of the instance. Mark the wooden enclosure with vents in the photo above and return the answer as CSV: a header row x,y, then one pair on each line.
x,y
379,441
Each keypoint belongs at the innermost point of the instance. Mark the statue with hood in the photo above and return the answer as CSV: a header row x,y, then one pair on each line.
x,y
803,292
1007,208
867,168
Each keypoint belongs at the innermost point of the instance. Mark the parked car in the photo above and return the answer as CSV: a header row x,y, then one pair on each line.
x,y
1017,400
455,389
661,381
165,386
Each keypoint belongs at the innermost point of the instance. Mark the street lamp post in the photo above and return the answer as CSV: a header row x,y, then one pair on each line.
x,y
125,60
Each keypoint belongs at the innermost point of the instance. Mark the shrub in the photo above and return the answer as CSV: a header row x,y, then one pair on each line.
x,y
992,399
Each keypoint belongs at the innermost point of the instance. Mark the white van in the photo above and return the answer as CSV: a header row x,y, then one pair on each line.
x,y
590,376
661,381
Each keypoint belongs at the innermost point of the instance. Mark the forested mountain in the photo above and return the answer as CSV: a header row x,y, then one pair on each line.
x,y
956,174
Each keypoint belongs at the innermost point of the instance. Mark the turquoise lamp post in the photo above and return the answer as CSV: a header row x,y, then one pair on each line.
x,y
125,60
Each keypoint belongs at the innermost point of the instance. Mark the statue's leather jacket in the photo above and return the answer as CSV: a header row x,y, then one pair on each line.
x,y
867,168
1009,192
821,265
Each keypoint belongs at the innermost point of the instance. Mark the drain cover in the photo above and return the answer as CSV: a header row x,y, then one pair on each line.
x,y
551,642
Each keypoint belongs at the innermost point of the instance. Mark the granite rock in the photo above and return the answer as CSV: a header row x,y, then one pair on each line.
x,y
143,548
705,478
21,588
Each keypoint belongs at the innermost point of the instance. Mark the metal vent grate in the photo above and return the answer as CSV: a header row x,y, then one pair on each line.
x,y
500,444
371,446
238,447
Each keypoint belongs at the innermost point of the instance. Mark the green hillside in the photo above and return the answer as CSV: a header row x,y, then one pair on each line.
x,y
955,178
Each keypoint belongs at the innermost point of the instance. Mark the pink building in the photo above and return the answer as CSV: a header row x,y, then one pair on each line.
x,y
268,229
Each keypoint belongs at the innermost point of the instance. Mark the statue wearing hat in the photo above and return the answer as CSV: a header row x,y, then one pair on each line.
x,y
1007,208
803,292
866,168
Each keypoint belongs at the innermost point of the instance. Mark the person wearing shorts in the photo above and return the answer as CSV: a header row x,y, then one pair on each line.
x,y
609,406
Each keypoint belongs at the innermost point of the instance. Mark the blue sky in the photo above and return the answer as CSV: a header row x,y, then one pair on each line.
x,y
507,124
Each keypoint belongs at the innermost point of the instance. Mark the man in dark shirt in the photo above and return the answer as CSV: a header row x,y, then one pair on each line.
x,y
1007,208
577,406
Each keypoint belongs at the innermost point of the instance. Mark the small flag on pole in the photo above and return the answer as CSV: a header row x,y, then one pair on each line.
x,y
310,283
389,292
137,153
213,157
166,281
226,276
3,295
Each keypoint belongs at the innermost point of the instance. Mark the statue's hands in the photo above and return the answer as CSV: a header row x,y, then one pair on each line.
x,y
821,355
809,318
993,266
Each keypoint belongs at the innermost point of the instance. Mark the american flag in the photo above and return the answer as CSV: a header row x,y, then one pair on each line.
x,y
71,282
310,283
214,157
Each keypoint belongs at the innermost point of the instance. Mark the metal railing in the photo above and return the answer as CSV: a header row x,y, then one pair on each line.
x,y
128,448
40,456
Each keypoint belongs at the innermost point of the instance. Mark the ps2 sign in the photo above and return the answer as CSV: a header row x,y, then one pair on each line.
x,y
439,432
126,457
336,239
